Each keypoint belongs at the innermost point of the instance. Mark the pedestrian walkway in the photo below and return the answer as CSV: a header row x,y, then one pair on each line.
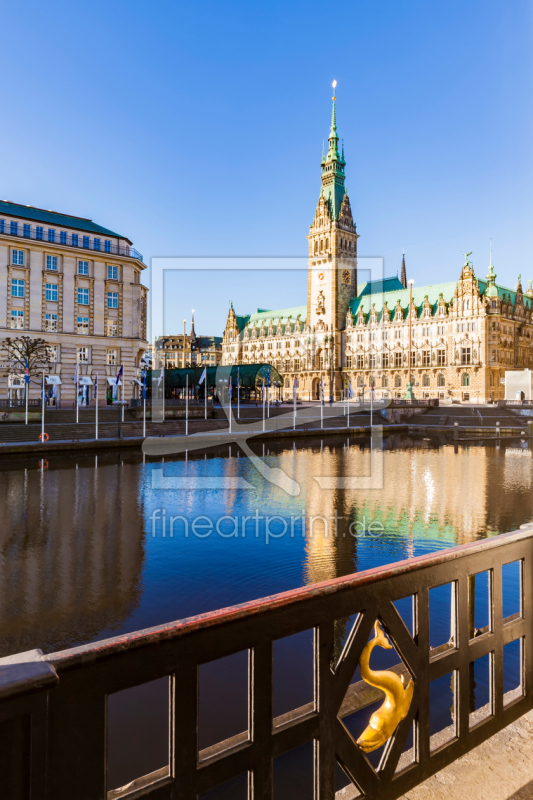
x,y
499,769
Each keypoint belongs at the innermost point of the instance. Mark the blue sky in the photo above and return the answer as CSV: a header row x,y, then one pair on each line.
x,y
196,129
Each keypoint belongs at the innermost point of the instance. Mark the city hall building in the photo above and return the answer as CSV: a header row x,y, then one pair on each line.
x,y
78,286
454,340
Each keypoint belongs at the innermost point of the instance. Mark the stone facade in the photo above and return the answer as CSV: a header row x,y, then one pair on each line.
x,y
453,340
78,286
459,336
182,350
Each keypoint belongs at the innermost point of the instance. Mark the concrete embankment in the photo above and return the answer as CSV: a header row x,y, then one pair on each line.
x,y
136,442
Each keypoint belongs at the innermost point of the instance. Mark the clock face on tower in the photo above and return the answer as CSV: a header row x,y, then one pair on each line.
x,y
346,276
321,276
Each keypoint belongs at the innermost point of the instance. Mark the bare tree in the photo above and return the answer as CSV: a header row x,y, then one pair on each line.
x,y
22,349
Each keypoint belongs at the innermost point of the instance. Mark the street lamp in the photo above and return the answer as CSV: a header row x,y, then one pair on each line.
x,y
409,391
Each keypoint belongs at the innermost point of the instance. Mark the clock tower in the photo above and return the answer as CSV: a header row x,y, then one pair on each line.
x,y
332,278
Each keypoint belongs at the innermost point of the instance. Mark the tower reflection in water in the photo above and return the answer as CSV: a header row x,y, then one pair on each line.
x,y
79,559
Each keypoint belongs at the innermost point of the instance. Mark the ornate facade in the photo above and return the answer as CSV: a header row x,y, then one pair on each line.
x,y
455,340
77,285
179,351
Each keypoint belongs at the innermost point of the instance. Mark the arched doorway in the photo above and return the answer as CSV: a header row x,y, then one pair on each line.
x,y
315,389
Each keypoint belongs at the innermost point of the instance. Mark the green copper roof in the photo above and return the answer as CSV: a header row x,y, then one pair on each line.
x,y
281,313
265,316
370,295
55,218
378,299
378,286
333,165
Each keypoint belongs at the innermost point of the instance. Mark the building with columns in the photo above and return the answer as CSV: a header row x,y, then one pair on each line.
x,y
77,285
454,340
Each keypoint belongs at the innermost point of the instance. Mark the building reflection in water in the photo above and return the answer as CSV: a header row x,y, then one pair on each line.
x,y
71,551
430,495
78,560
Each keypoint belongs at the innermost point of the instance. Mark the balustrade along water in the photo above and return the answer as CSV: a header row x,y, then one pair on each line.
x,y
54,708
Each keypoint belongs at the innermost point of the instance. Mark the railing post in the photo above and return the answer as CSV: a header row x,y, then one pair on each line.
x,y
456,430
498,430
324,693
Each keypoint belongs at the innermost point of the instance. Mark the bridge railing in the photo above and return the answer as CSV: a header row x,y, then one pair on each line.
x,y
53,708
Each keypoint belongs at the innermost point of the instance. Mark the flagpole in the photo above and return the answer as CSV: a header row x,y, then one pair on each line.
x,y
77,404
144,407
371,403
321,404
264,396
294,405
42,422
238,396
164,379
229,401
205,394
96,403
186,406
27,387
122,392
349,406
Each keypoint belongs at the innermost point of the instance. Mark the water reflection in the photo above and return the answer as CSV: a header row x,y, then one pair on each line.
x,y
71,552
83,556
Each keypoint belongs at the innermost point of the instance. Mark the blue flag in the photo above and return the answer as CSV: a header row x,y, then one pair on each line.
x,y
27,373
144,385
95,387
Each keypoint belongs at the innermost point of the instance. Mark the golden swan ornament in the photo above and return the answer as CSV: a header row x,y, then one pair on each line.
x,y
386,719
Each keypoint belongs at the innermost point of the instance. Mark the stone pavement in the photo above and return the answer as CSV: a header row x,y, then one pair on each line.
x,y
499,769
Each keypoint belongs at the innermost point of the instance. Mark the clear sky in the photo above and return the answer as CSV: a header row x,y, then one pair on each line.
x,y
197,129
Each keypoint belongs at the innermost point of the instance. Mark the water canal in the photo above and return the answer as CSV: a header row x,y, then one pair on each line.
x,y
88,550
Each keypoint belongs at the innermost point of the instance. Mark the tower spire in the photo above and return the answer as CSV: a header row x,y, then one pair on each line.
x,y
403,278
333,167
491,277
192,334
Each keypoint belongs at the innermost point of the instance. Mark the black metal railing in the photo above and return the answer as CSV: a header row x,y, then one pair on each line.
x,y
80,241
53,708
13,403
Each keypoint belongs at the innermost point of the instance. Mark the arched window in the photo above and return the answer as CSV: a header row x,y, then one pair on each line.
x,y
316,247
327,244
441,380
425,380
465,379
397,381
